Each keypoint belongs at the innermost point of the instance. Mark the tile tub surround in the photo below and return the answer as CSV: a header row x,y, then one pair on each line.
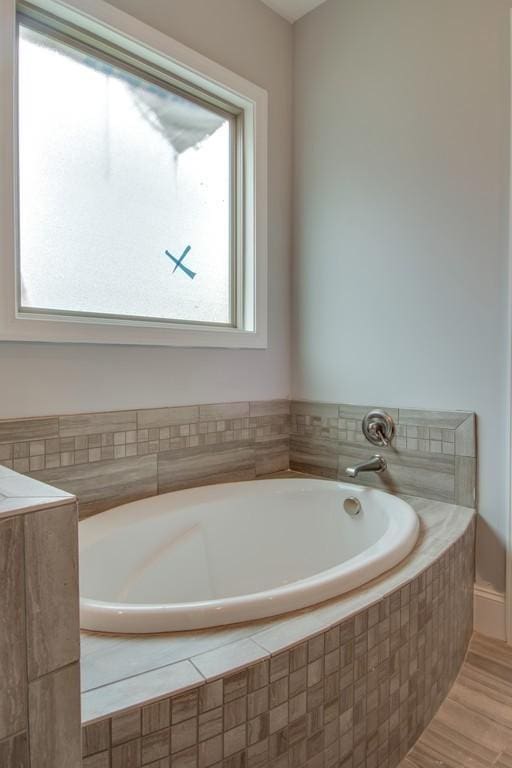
x,y
106,459
39,635
352,682
432,454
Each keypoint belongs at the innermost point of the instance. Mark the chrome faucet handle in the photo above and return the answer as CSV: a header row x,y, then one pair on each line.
x,y
378,436
378,428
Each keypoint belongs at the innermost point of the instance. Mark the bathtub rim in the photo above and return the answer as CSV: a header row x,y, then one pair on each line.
x,y
266,604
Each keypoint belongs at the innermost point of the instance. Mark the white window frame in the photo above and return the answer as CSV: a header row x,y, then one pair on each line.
x,y
147,43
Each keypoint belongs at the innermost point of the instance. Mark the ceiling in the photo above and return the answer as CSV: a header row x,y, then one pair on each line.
x,y
292,9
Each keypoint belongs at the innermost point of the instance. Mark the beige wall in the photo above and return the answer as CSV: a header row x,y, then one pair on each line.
x,y
245,36
401,227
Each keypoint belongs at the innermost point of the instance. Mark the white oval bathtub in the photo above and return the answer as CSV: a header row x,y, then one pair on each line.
x,y
229,553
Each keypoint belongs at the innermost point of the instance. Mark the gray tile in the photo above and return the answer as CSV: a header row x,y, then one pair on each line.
x,y
185,759
229,658
153,417
235,740
210,751
465,481
155,746
319,457
24,504
439,419
258,676
416,466
110,659
13,691
236,685
104,484
156,716
99,760
204,465
465,438
14,752
139,690
6,454
220,411
320,410
95,738
210,724
183,414
21,486
357,412
235,712
269,408
258,728
257,703
278,717
126,726
18,430
183,734
257,755
127,755
211,696
165,417
51,577
164,762
54,719
284,634
409,472
272,456
96,423
185,706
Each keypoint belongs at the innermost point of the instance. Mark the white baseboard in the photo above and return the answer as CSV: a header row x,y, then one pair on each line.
x,y
489,613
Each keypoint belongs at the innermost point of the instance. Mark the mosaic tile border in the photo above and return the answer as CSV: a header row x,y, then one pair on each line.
x,y
432,454
119,456
358,694
30,445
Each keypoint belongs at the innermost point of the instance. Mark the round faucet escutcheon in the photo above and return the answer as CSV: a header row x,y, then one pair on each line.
x,y
378,427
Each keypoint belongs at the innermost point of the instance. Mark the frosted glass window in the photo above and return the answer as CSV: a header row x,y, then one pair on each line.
x,y
126,190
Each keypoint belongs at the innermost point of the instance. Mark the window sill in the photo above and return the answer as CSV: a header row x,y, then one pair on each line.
x,y
104,331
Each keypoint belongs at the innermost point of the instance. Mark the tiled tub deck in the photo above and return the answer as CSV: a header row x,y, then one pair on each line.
x,y
352,682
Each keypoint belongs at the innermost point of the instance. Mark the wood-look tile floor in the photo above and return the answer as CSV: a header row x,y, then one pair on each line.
x,y
473,727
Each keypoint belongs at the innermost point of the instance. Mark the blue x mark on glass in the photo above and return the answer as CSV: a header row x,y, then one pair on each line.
x,y
179,263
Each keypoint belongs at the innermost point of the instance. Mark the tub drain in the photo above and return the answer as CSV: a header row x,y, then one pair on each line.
x,y
352,506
